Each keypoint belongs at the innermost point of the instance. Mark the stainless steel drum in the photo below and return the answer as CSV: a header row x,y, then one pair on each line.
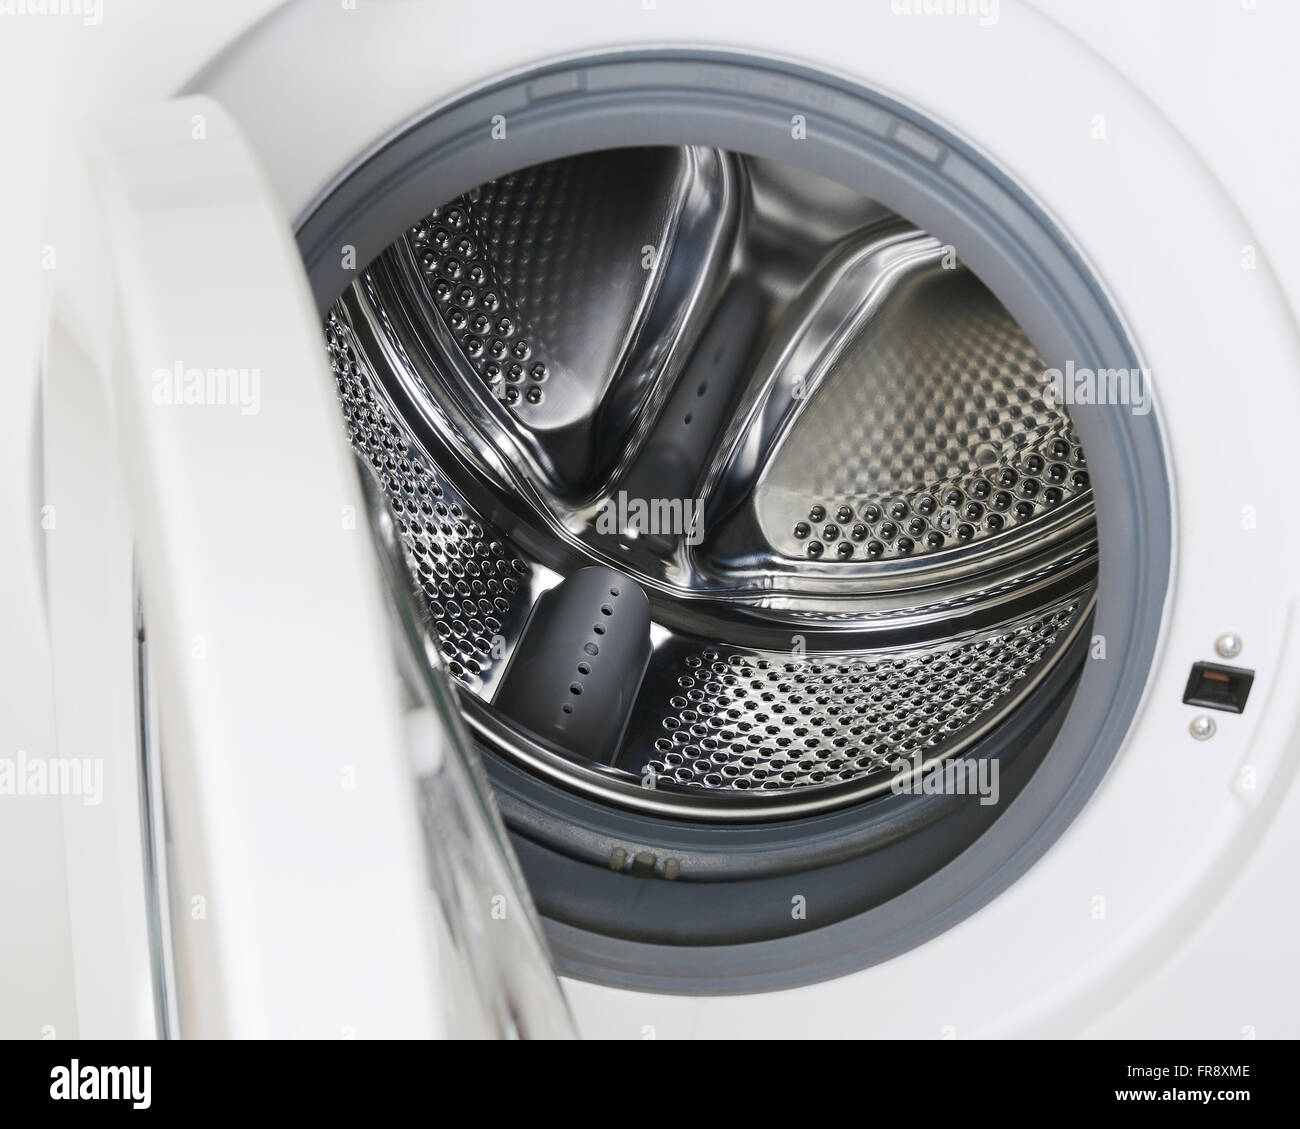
x,y
812,438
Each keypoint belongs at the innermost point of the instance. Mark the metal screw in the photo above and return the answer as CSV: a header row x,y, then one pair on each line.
x,y
1228,645
1202,728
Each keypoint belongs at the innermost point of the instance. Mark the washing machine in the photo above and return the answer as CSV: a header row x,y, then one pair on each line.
x,y
661,520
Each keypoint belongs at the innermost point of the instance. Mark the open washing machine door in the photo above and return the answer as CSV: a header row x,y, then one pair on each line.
x,y
299,840
540,272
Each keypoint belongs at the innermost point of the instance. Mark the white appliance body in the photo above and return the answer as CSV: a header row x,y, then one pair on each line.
x,y
1156,136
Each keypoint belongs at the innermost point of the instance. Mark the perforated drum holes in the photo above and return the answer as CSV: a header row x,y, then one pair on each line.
x,y
925,436
931,432
762,721
468,575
